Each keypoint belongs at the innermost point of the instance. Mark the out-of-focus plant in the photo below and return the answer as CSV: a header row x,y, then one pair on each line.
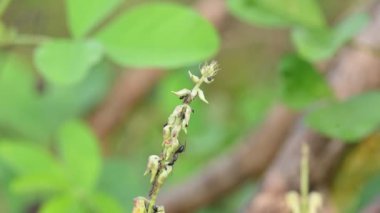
x,y
350,120
67,76
163,35
300,83
313,39
66,183
160,166
304,202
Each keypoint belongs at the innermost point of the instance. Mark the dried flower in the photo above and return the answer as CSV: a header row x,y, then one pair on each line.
x,y
152,167
170,147
161,166
164,174
202,96
209,71
194,78
139,205
182,93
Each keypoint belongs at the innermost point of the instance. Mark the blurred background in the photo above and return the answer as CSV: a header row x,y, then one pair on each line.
x,y
85,87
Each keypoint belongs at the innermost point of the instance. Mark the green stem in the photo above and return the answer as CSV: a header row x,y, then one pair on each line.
x,y
304,178
153,199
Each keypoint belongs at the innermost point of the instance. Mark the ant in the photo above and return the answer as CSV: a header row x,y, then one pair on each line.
x,y
180,150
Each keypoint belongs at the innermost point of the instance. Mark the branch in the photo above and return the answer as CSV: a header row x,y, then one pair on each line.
x,y
355,70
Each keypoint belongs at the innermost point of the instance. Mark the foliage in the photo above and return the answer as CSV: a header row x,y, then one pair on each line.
x,y
313,39
300,82
36,115
356,183
63,62
316,45
70,180
50,79
350,120
160,39
279,13
82,21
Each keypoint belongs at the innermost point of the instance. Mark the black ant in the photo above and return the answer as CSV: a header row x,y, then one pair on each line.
x,y
180,150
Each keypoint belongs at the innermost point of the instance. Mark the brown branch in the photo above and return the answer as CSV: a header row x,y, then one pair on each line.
x,y
231,170
356,69
129,88
133,85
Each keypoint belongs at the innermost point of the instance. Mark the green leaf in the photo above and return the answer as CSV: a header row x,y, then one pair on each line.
x,y
122,179
159,35
315,45
252,12
62,204
349,27
84,15
300,83
37,171
36,114
102,203
350,120
66,62
305,13
79,150
38,183
26,158
368,194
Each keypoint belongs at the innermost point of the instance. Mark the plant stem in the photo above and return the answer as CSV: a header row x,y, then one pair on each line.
x,y
156,186
160,167
304,178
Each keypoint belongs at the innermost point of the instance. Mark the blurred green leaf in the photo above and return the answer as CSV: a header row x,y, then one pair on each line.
x,y
37,170
66,62
300,82
300,12
20,104
62,204
369,193
252,12
37,116
304,13
159,35
38,183
102,203
26,158
79,150
122,179
349,27
84,15
317,45
348,189
350,120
